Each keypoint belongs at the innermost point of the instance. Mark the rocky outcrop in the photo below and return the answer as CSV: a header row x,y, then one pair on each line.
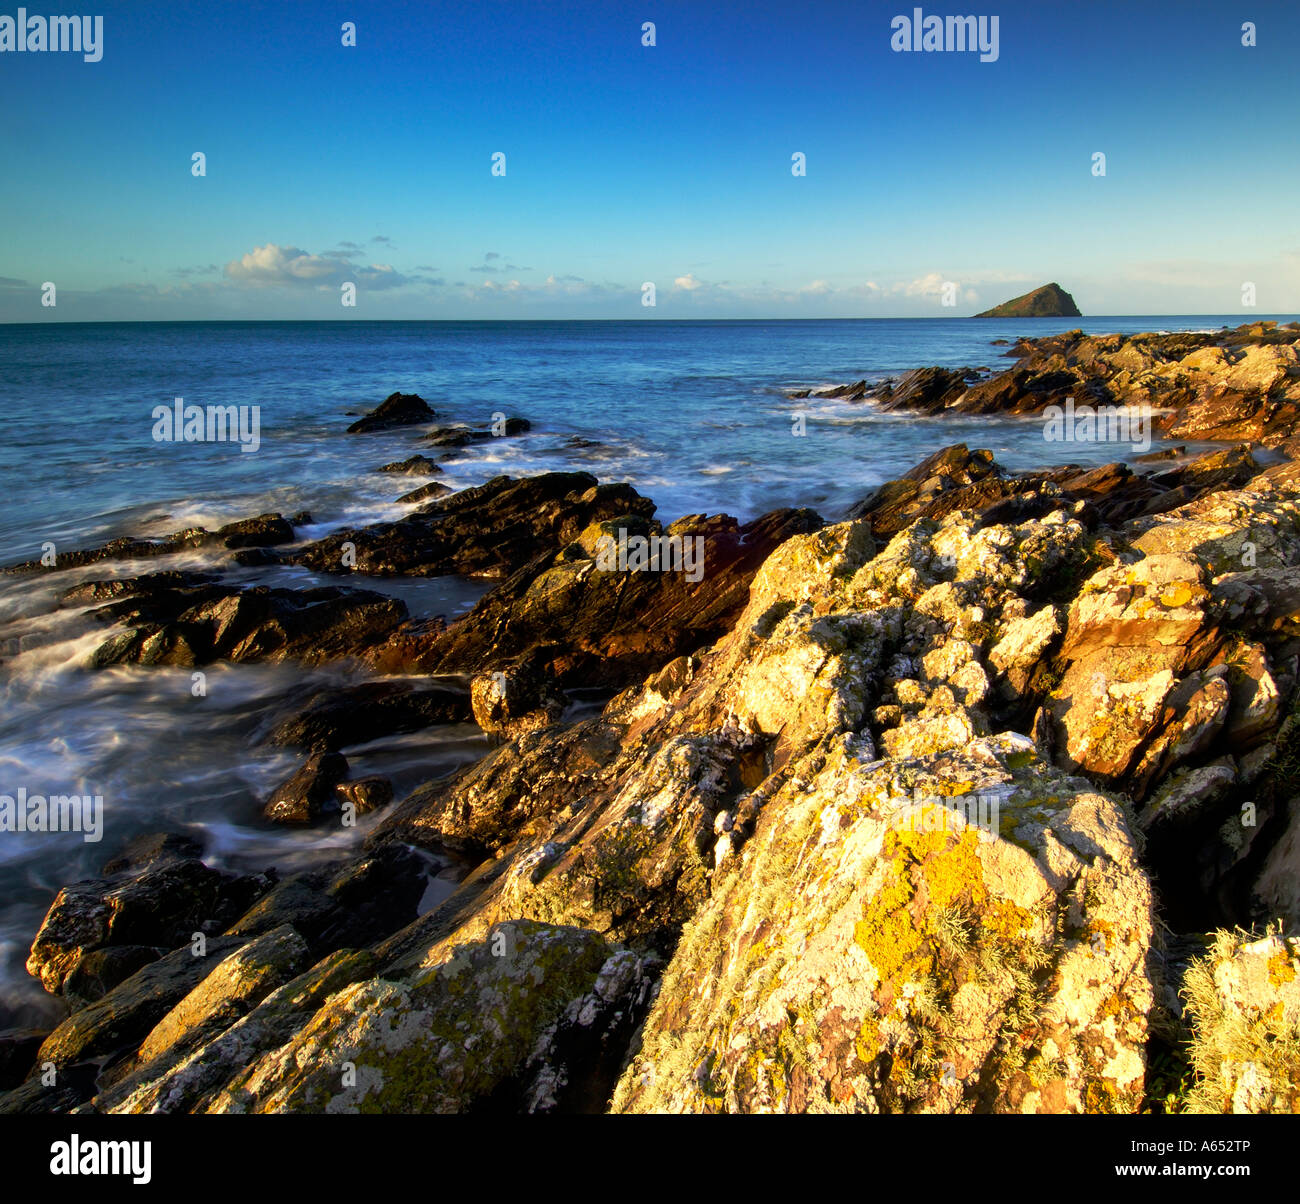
x,y
264,531
919,811
1241,384
1049,301
491,530
190,620
397,409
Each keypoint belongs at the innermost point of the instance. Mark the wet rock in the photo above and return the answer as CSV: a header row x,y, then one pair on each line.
x,y
397,409
309,795
334,719
196,625
434,489
161,907
414,466
515,700
490,530
266,530
580,621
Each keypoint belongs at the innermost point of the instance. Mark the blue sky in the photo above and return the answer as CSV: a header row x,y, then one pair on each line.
x,y
628,164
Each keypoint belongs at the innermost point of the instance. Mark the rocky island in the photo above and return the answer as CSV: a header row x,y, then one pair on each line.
x,y
1050,301
977,798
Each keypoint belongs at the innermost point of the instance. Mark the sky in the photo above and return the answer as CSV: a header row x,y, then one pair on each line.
x,y
628,164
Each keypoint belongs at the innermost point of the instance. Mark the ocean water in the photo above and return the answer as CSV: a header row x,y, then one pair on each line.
x,y
694,414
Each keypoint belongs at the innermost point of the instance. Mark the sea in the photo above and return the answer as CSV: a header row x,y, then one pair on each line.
x,y
695,414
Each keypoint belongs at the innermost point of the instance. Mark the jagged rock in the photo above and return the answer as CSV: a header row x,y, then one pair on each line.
x,y
233,987
266,530
414,466
160,907
434,489
169,1085
334,719
515,700
446,1039
579,622
309,795
490,530
196,625
872,951
124,1017
397,409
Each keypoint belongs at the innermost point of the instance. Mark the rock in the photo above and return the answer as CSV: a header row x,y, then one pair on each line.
x,y
17,1054
873,951
179,1085
515,700
413,466
577,620
365,794
434,489
418,1046
233,987
160,907
335,719
1243,1000
309,795
397,409
1049,301
927,390
196,625
124,1017
491,530
266,530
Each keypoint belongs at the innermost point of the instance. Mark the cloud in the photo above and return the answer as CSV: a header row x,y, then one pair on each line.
x,y
185,273
689,283
488,266
13,282
565,280
291,267
381,238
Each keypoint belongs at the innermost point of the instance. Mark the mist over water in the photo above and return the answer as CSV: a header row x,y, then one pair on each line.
x,y
694,414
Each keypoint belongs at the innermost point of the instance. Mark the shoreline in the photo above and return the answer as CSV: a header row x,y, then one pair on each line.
x,y
813,667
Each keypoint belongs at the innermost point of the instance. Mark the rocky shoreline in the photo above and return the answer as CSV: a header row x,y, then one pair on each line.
x,y
978,800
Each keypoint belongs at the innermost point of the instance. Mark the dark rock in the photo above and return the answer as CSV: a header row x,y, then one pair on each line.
x,y
18,1048
490,530
309,795
1050,301
397,409
359,714
123,1018
196,625
434,489
413,466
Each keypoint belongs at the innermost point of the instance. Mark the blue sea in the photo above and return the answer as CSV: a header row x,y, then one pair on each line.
x,y
694,414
